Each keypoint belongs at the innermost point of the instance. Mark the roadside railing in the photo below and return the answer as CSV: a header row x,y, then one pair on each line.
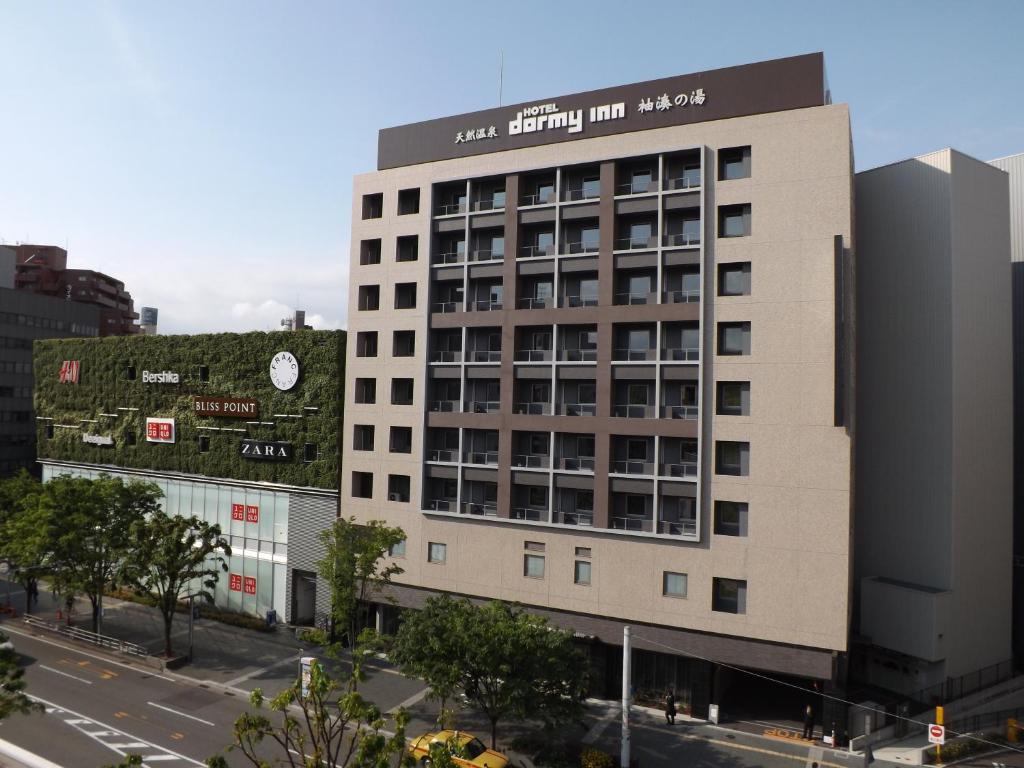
x,y
85,636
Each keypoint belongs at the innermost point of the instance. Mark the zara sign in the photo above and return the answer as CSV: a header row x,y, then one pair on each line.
x,y
267,451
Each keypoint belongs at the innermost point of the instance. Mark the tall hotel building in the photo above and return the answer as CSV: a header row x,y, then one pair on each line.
x,y
602,367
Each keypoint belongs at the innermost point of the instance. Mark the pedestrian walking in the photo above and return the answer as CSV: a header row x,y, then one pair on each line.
x,y
670,708
808,722
33,594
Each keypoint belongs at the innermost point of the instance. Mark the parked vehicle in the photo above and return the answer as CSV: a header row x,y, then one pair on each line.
x,y
466,749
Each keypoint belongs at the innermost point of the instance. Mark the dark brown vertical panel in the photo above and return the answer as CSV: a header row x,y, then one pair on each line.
x,y
605,343
508,340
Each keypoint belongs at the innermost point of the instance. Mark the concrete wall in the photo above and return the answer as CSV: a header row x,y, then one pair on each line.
x,y
6,267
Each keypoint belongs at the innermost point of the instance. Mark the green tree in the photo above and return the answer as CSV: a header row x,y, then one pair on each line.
x,y
12,688
22,545
354,570
88,526
508,663
172,557
333,726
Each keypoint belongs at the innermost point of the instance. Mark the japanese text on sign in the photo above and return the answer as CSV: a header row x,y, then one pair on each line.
x,y
238,511
665,102
235,582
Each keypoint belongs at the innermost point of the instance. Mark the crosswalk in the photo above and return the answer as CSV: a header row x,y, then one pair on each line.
x,y
118,741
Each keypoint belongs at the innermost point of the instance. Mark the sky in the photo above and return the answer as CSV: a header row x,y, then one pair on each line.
x,y
203,152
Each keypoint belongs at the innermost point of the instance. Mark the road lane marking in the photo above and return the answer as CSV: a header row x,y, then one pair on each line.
x,y
156,758
416,698
65,674
129,745
181,714
261,670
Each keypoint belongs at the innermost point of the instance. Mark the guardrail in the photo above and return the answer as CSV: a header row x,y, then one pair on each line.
x,y
85,636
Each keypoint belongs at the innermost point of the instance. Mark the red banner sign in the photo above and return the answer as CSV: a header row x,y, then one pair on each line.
x,y
160,430
252,513
69,372
238,511
250,585
235,582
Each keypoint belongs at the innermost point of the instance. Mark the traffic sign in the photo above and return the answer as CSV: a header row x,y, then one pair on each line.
x,y
936,734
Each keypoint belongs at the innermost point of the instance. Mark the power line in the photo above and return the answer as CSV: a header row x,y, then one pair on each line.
x,y
823,694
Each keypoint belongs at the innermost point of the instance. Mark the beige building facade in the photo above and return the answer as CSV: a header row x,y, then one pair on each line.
x,y
609,376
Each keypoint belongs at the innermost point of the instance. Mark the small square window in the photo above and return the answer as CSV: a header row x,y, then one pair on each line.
x,y
309,453
437,552
733,398
204,373
734,220
673,584
405,296
397,549
373,206
732,458
730,518
129,373
729,596
734,338
733,163
204,443
403,344
533,566
362,485
49,430
366,344
734,279
407,248
401,440
369,252
582,551
362,437
581,572
366,391
398,488
408,201
369,298
401,391
129,438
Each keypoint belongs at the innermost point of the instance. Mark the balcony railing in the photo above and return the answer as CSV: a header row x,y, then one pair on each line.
x,y
484,305
678,527
528,513
533,355
635,297
489,205
450,257
441,505
532,409
477,508
635,243
531,460
582,194
634,411
486,254
537,199
483,406
578,355
482,457
680,354
636,187
446,356
681,297
444,406
682,239
579,301
532,303
581,247
576,463
445,307
483,356
634,354
578,409
631,524
688,180
679,412
575,517
445,455
682,469
529,251
633,467
448,209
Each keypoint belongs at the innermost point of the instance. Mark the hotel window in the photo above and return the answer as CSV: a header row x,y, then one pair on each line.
x,y
369,298
362,485
401,440
373,206
591,238
405,296
729,596
733,398
403,344
734,279
397,549
734,220
369,252
537,497
533,566
362,437
437,552
366,344
673,584
734,338
638,394
730,518
732,458
407,248
398,488
636,449
733,163
408,201
581,573
591,187
401,391
636,505
366,391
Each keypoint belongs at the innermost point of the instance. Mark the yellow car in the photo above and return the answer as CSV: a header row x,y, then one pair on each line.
x,y
467,750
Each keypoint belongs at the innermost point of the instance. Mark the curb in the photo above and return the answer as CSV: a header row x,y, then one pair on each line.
x,y
23,757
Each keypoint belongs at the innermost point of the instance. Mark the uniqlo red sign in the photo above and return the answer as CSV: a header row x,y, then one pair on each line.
x,y
250,585
160,430
238,511
252,513
235,582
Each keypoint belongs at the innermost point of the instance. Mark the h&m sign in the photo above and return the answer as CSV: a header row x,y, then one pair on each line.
x,y
69,371
270,451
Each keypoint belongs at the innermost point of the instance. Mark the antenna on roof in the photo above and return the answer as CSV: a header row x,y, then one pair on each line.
x,y
501,72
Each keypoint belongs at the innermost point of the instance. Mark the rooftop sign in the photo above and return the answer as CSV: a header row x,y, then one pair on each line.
x,y
769,86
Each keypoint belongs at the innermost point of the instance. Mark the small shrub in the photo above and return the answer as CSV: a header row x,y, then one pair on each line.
x,y
596,758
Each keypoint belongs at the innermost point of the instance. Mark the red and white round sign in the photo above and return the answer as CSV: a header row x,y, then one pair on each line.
x,y
937,734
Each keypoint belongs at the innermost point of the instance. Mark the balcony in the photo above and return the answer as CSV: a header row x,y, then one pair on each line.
x,y
529,513
446,356
685,470
449,256
483,406
582,246
443,406
577,409
483,356
446,307
532,407
683,179
442,505
633,467
636,243
483,509
443,455
680,527
688,412
539,302
482,458
531,460
635,524
681,296
485,305
583,518
573,301
578,355
680,354
531,251
630,298
626,354
494,203
451,208
575,463
681,240
487,254
637,186
626,411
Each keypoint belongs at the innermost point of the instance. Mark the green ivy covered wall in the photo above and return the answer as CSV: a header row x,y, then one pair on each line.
x,y
107,402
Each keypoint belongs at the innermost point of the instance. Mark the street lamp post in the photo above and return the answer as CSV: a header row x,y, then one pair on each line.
x,y
103,584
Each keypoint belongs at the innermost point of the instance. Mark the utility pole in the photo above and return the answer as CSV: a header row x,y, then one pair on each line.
x,y
626,658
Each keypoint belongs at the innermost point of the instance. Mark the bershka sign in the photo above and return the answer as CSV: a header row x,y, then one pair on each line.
x,y
164,377
105,441
229,407
268,451
160,430
69,371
